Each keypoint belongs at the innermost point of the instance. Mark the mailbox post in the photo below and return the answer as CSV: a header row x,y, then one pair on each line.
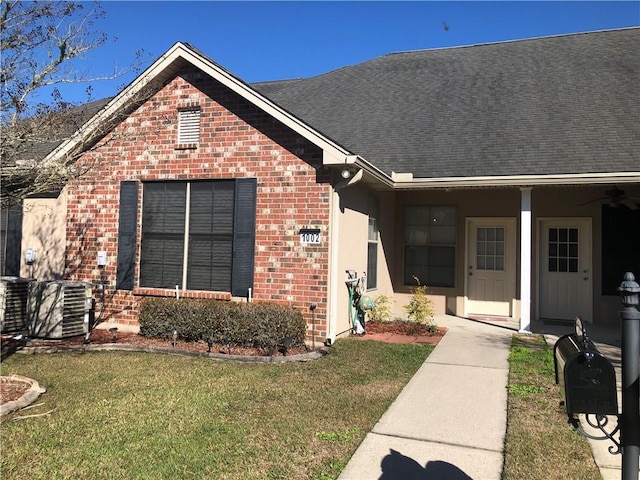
x,y
630,418
588,380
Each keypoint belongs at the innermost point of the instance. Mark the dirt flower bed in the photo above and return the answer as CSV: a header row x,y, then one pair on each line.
x,y
403,327
12,389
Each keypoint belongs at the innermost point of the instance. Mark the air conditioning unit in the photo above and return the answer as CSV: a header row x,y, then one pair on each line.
x,y
58,309
14,292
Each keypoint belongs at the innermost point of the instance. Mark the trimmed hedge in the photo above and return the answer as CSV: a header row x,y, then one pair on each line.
x,y
257,324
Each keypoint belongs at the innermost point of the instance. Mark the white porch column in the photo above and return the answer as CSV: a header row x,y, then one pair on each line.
x,y
525,260
332,294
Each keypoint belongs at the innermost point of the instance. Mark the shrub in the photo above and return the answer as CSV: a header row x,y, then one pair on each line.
x,y
381,311
420,307
259,324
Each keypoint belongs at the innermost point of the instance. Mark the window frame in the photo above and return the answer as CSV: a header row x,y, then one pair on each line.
x,y
433,260
241,220
373,239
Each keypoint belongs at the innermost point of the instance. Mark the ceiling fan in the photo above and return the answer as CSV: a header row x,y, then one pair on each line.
x,y
617,198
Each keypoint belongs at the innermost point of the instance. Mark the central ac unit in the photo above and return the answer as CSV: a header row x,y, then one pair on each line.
x,y
58,309
14,292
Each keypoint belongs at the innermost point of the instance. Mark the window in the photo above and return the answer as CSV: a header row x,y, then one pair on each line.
x,y
490,248
563,250
198,235
372,244
429,245
189,126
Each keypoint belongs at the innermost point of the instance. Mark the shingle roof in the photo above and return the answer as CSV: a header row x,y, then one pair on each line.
x,y
69,121
553,105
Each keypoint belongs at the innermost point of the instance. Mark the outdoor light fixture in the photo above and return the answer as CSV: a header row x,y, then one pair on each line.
x,y
284,345
313,307
174,338
345,173
209,344
114,332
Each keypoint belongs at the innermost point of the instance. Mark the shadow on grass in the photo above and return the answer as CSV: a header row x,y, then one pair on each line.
x,y
396,466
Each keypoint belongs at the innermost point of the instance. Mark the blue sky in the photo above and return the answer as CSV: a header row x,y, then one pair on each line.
x,y
279,40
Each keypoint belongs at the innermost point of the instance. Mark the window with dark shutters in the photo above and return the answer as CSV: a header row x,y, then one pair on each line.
x,y
210,225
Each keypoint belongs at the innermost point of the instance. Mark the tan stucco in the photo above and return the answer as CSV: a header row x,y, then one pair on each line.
x,y
43,229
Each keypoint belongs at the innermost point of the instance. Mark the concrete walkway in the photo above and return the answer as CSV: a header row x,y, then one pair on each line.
x,y
450,420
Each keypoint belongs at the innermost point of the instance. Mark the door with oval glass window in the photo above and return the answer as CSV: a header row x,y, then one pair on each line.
x,y
565,280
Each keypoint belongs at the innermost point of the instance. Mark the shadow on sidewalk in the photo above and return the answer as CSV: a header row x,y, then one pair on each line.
x,y
396,466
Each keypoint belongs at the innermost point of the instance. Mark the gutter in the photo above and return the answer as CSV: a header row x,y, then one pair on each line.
x,y
405,181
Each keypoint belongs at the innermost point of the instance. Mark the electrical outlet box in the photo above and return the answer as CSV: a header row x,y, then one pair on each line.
x,y
30,256
102,258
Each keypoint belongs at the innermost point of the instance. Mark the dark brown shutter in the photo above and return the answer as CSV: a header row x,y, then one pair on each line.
x,y
244,234
127,227
11,241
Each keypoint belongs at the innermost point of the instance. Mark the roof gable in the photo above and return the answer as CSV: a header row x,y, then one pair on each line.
x,y
164,69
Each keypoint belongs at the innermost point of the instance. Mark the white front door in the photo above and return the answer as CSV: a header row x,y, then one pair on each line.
x,y
565,269
490,270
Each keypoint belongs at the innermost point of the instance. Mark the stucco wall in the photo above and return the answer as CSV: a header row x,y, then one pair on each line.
x,y
547,202
43,229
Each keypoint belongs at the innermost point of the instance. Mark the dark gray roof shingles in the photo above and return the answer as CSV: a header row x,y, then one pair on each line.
x,y
554,105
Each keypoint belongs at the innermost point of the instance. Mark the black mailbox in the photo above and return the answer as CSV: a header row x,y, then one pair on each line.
x,y
585,375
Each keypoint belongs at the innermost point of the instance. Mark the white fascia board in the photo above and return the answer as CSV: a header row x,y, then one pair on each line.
x,y
519,180
116,103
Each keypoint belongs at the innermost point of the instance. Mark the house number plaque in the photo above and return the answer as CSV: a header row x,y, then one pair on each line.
x,y
310,236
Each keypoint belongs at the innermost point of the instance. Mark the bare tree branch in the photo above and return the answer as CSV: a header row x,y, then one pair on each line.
x,y
41,44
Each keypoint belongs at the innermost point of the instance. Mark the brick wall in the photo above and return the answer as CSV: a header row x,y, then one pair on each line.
x,y
237,140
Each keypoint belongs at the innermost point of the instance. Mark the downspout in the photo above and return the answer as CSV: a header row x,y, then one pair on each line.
x,y
334,245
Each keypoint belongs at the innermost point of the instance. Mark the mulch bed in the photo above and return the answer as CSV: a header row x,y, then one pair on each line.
x,y
12,389
402,327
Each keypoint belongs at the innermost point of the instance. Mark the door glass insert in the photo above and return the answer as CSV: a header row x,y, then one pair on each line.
x,y
490,248
563,250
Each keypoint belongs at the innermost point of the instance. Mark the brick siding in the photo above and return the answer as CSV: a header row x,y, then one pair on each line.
x,y
236,140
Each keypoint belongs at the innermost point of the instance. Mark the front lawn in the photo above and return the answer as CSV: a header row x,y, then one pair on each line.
x,y
540,444
123,415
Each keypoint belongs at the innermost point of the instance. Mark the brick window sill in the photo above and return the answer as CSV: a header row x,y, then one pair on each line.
x,y
186,146
167,292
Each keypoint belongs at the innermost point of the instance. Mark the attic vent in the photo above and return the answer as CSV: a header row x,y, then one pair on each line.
x,y
189,126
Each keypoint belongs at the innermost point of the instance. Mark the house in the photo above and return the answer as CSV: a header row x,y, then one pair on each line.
x,y
504,176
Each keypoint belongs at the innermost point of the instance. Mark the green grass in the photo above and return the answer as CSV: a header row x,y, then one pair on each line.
x,y
118,415
540,444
